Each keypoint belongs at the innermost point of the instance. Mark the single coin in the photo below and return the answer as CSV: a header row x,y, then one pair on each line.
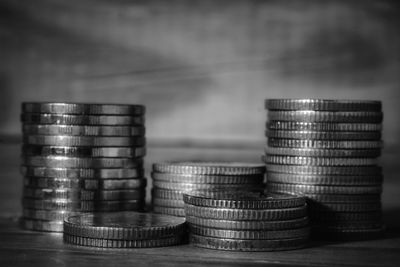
x,y
51,193
82,108
69,162
179,212
248,225
323,126
109,243
52,204
53,183
246,214
323,105
168,194
193,186
250,234
41,225
333,233
124,225
165,202
210,168
49,118
111,206
207,179
82,130
341,198
47,215
247,245
316,161
113,184
325,170
51,172
326,116
321,189
334,180
66,140
319,135
95,152
101,195
324,144
332,216
319,152
345,207
243,200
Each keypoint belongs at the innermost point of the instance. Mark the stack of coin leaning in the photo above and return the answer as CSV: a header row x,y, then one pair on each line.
x,y
80,157
327,150
172,179
127,229
244,221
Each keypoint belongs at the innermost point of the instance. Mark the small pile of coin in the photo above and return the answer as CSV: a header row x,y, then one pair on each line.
x,y
80,157
172,179
327,150
127,229
245,221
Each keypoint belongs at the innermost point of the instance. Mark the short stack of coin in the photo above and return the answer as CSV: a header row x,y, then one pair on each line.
x,y
327,150
127,229
80,157
244,221
172,179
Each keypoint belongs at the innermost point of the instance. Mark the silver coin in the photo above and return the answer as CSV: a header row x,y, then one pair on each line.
x,y
111,206
321,189
319,135
325,170
47,215
207,179
179,212
323,105
195,186
51,193
165,202
323,126
70,162
40,182
316,161
41,225
51,204
113,184
318,152
210,168
106,195
324,144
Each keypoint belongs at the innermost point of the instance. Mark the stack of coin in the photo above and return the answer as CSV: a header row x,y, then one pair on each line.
x,y
127,229
327,150
80,157
172,179
245,221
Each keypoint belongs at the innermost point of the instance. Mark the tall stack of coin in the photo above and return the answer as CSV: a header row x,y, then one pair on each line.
x,y
80,157
172,179
244,221
327,150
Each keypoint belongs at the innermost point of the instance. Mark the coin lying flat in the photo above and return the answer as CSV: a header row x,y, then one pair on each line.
x,y
82,130
56,204
56,183
207,179
243,200
314,161
106,152
180,212
100,195
193,186
66,140
319,135
113,184
323,126
80,173
70,162
323,105
245,214
51,193
324,144
82,108
327,116
47,215
334,180
41,225
247,245
165,202
248,225
320,152
325,170
321,189
49,118
210,168
124,225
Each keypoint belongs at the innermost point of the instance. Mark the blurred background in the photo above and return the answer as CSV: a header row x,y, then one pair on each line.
x,y
202,68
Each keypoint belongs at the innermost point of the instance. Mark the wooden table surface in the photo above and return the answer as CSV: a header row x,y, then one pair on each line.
x,y
26,248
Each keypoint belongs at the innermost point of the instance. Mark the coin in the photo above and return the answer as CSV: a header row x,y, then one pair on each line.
x,y
168,194
245,214
117,152
193,186
82,108
49,118
47,215
347,234
70,162
180,212
124,225
52,204
248,225
210,168
165,202
41,225
207,179
250,234
323,105
100,195
111,206
323,126
82,130
327,116
319,152
345,207
50,193
324,144
334,180
243,200
109,243
321,189
316,161
247,245
325,170
65,140
113,184
82,173
319,135
38,182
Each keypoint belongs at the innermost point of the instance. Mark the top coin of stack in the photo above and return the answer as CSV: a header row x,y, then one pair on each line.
x,y
172,179
327,150
80,157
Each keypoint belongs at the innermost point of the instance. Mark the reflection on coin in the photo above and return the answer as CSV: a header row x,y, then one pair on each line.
x,y
48,215
70,162
210,168
323,105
